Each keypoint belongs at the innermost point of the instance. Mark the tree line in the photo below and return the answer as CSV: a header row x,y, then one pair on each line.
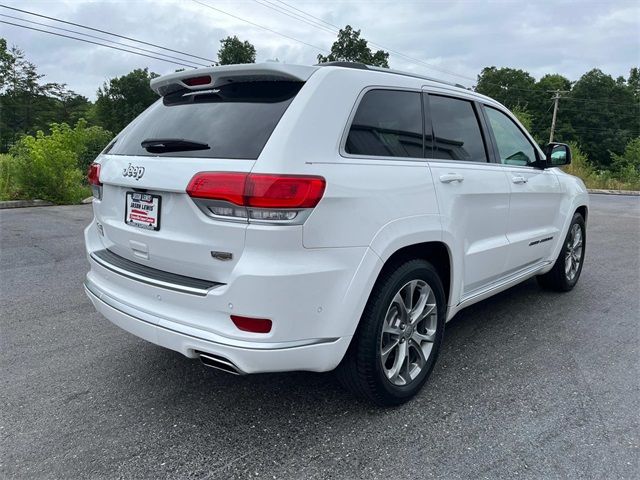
x,y
597,113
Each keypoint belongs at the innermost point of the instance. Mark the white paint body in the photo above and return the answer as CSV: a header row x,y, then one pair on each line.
x,y
313,280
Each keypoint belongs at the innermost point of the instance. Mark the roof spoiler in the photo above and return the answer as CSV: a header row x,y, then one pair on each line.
x,y
211,77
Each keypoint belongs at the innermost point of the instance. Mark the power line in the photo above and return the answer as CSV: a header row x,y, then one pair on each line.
x,y
607,102
308,14
258,25
295,16
106,32
377,45
97,43
592,129
100,38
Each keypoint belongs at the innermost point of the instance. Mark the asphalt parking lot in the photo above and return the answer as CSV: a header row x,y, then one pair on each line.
x,y
530,384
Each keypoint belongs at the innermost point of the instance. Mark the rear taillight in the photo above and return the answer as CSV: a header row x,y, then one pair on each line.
x,y
93,177
283,191
256,197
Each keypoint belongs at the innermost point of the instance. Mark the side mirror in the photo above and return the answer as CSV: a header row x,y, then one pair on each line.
x,y
558,154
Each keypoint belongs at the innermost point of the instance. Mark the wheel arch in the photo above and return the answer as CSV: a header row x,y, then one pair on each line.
x,y
584,211
435,252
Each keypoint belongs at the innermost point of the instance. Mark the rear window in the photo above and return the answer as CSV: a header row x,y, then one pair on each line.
x,y
234,120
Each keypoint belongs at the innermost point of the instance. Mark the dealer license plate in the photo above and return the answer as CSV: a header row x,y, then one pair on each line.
x,y
143,210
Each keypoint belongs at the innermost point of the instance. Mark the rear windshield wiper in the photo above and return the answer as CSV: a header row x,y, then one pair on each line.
x,y
163,145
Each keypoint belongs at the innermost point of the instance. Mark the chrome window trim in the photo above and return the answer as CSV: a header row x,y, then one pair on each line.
x,y
460,162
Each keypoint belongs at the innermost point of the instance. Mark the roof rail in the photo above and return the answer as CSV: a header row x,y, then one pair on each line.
x,y
362,66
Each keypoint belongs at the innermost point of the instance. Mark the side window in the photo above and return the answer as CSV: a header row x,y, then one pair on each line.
x,y
456,130
388,123
513,146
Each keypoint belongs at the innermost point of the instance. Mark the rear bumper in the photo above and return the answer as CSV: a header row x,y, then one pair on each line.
x,y
314,298
318,355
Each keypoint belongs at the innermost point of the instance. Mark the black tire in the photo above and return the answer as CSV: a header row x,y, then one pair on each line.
x,y
361,370
557,278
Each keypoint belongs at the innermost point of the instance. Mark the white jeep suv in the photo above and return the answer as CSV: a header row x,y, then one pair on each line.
x,y
272,217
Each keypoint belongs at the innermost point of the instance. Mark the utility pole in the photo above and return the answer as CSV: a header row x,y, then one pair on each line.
x,y
555,99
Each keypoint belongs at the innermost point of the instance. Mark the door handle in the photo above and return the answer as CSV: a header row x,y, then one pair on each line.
x,y
451,177
519,179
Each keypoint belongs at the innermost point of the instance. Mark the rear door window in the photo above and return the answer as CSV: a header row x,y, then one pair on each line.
x,y
233,121
388,123
456,130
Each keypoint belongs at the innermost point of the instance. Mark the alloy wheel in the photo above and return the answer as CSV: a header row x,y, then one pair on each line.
x,y
408,332
573,255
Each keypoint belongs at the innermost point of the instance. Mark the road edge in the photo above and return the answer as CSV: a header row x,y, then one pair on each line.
x,y
24,203
598,191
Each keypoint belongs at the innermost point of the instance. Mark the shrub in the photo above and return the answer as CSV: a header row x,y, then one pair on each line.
x,y
52,167
622,179
627,165
8,186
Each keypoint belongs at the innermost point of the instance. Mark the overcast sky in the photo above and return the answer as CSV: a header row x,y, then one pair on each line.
x,y
462,37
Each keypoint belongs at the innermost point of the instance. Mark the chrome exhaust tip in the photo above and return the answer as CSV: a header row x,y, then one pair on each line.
x,y
219,363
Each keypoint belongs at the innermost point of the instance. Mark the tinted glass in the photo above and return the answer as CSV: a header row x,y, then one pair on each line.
x,y
388,123
234,120
456,129
513,146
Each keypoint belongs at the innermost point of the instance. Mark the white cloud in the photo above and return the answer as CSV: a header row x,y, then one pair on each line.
x,y
541,37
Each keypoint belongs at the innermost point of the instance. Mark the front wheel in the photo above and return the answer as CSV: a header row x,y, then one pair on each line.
x,y
397,342
566,271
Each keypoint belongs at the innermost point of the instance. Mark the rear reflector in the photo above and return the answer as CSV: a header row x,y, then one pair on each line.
x,y
255,325
196,81
93,175
258,190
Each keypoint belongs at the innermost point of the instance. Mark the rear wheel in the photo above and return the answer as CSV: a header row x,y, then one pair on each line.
x,y
566,271
399,336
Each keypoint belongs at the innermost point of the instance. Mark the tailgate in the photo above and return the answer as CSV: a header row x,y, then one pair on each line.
x,y
186,238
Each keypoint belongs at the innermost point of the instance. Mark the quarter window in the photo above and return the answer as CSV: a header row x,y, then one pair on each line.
x,y
456,130
513,146
388,123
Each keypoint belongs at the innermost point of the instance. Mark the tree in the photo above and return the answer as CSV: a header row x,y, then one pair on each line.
x,y
541,111
234,51
509,86
604,115
349,47
523,115
634,82
28,105
122,99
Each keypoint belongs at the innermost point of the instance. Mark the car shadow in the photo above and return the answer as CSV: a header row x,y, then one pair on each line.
x,y
187,381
